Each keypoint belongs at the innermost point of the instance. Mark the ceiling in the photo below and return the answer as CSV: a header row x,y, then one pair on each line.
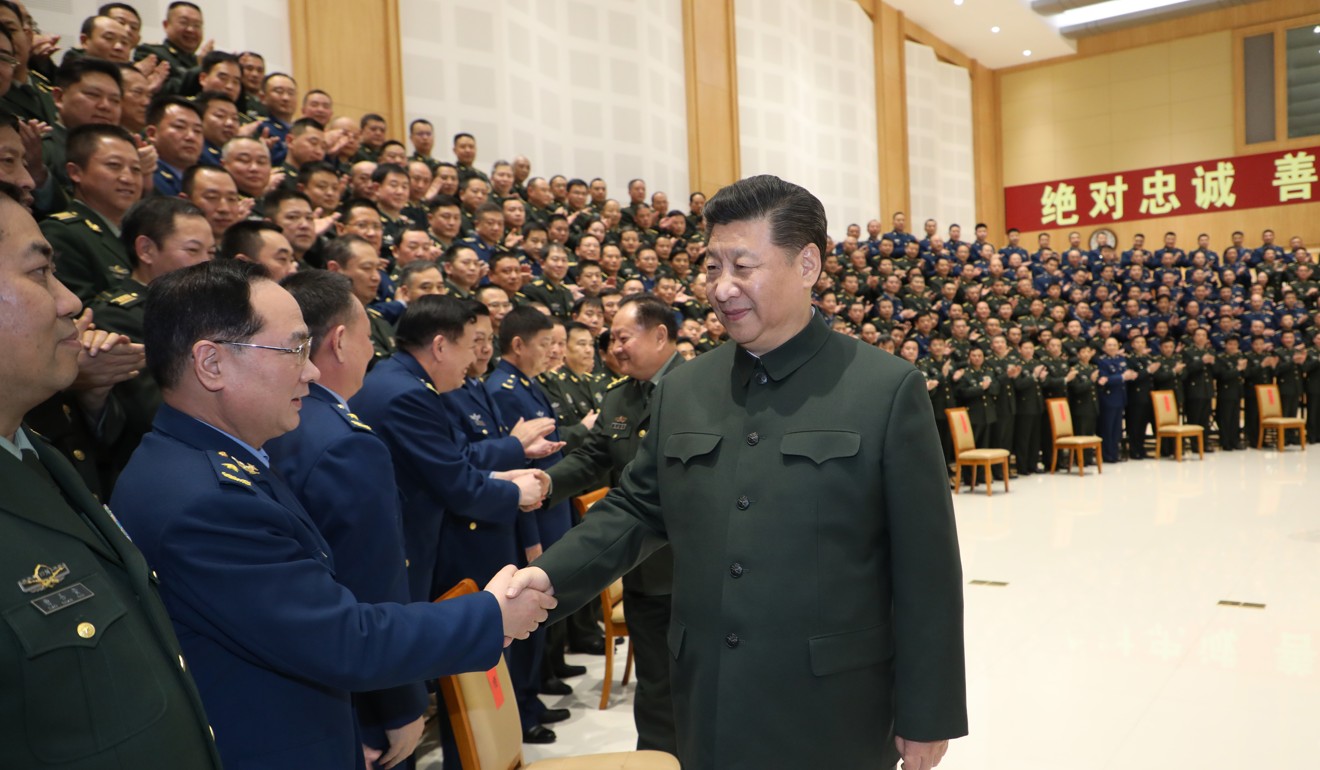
x,y
1046,28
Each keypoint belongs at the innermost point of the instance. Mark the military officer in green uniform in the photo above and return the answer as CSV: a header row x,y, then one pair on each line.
x,y
355,257
977,388
1168,375
1028,390
29,96
937,369
1229,372
643,336
1083,400
572,388
183,38
91,674
1198,381
107,180
549,289
1261,363
817,610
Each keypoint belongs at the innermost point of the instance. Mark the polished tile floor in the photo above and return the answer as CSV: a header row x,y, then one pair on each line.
x,y
1108,648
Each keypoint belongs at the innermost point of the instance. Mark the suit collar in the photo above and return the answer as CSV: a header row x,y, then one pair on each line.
x,y
200,435
785,359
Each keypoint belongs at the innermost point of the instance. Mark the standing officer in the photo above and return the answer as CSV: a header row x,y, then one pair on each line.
x,y
1308,363
1138,414
1082,398
276,642
1030,409
1261,363
1114,378
1168,375
342,474
643,335
80,591
1199,384
817,586
977,387
936,368
1229,371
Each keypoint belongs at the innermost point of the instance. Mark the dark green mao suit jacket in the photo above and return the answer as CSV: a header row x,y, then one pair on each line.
x,y
817,605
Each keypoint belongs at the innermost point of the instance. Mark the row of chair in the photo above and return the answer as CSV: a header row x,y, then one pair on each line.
x,y
1063,439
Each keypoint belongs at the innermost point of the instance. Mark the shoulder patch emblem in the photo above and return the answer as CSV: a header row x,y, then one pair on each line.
x,y
93,226
64,216
230,471
124,300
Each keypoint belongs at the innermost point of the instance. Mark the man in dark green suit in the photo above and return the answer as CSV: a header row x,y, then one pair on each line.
x,y
643,336
182,47
91,674
817,603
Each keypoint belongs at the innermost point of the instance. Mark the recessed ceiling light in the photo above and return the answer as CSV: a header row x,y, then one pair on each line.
x,y
995,30
957,2
1317,29
1027,52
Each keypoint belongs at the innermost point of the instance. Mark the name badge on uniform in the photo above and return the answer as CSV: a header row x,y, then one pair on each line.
x,y
43,577
62,599
620,423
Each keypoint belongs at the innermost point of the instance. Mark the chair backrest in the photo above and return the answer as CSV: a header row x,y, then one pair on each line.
x,y
582,502
483,711
1060,417
1267,399
960,427
615,592
1166,407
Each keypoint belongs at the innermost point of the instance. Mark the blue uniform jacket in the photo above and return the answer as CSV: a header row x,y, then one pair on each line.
x,y
1114,392
275,643
432,467
516,397
477,417
343,476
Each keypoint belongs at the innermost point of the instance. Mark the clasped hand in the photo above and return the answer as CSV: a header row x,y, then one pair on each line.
x,y
525,602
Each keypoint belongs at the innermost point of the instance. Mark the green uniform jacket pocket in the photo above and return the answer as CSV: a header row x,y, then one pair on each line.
x,y
850,650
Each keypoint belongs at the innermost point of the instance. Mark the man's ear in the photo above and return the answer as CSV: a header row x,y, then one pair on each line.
x,y
811,263
335,339
206,365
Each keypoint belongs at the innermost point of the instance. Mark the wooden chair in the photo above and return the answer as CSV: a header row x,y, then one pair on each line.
x,y
611,610
966,454
484,715
1062,438
1271,418
1167,425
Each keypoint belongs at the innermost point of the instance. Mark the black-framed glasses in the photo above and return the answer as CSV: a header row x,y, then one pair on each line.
x,y
303,351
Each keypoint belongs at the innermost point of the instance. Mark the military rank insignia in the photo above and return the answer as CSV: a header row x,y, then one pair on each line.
x,y
230,470
43,578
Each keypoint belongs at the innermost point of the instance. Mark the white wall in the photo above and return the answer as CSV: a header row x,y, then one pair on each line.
x,y
235,25
806,101
583,88
939,108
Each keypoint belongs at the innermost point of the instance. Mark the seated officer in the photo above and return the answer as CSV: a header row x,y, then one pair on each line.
x,y
276,642
87,92
106,173
174,128
110,688
360,521
262,242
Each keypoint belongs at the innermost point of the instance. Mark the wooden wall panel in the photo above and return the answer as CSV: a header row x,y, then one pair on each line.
x,y
987,144
891,109
711,63
351,48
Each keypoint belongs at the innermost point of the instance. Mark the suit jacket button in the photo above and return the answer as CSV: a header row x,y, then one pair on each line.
x,y
736,569
762,378
79,455
86,630
472,525
744,503
732,640
753,438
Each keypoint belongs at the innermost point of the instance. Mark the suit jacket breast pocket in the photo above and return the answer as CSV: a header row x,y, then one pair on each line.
x,y
692,448
820,446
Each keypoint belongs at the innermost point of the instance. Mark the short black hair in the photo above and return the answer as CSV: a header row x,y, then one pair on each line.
x,y
161,103
105,10
454,250
489,208
89,23
212,300
270,75
72,71
204,99
315,92
431,316
653,312
82,141
522,323
370,117
413,268
300,126
340,250
347,209
585,301
419,122
797,218
271,202
462,134
389,142
325,298
216,58
190,176
155,217
309,170
441,201
385,169
182,4
245,238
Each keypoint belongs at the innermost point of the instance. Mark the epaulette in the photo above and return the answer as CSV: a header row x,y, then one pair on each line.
x,y
373,311
616,383
232,471
93,226
538,282
64,216
127,300
350,418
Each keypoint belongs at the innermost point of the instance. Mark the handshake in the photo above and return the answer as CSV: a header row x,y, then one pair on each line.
x,y
526,598
533,486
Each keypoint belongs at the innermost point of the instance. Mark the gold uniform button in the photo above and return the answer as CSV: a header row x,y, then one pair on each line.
x,y
79,455
407,562
86,630
641,433
473,525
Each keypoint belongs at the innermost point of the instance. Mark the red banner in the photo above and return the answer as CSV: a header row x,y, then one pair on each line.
x,y
1227,184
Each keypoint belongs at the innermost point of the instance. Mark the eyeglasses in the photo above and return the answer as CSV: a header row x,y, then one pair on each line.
x,y
303,351
8,60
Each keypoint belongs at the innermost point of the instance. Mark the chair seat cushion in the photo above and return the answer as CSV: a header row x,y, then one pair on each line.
x,y
1181,430
982,454
1288,422
629,760
1077,440
616,617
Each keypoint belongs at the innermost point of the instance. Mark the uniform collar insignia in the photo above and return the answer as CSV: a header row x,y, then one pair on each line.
x,y
43,578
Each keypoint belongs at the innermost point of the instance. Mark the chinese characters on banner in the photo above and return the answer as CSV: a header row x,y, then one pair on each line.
x,y
1229,184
